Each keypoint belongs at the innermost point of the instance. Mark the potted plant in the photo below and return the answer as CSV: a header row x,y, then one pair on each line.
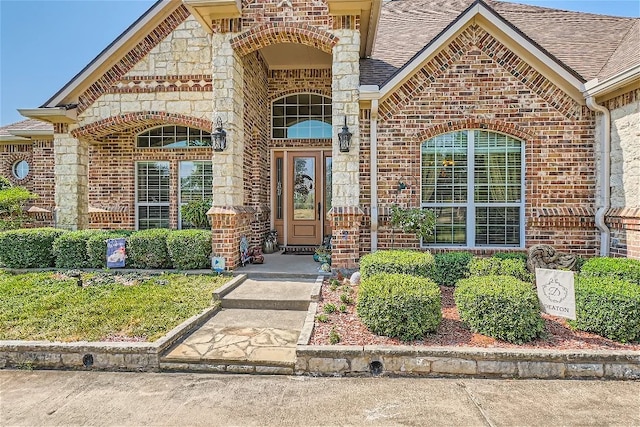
x,y
322,254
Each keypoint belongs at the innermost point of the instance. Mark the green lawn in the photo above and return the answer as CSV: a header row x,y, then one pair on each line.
x,y
51,306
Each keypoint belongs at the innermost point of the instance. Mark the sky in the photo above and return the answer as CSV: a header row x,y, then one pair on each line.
x,y
45,43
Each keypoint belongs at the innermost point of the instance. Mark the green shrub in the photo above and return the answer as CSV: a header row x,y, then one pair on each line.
x,y
190,249
450,267
620,268
493,266
501,307
28,248
399,305
511,255
609,307
148,249
484,266
97,247
195,213
12,203
397,261
70,249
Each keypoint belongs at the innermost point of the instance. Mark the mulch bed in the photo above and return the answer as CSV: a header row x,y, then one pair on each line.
x,y
451,333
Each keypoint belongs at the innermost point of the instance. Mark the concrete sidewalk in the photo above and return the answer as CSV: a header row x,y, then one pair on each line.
x,y
103,398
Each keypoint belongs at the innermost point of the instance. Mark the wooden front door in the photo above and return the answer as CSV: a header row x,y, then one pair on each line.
x,y
304,196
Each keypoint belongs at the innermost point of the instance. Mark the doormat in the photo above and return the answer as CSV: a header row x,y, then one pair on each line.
x,y
299,250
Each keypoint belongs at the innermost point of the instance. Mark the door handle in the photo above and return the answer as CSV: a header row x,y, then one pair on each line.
x,y
319,211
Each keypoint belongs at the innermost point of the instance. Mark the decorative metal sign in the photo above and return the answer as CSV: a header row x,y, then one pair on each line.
x,y
116,253
556,292
217,264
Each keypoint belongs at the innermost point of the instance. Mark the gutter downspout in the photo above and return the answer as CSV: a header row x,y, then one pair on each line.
x,y
374,174
605,176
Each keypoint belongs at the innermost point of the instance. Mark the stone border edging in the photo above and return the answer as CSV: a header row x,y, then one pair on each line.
x,y
345,360
100,355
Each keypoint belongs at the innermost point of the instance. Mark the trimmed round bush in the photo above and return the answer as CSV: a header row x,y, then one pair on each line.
x,y
501,307
28,248
97,247
399,305
70,249
609,307
148,249
619,268
511,255
450,267
190,249
414,263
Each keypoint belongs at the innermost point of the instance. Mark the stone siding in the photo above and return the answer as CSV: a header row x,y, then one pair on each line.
x,y
184,51
624,216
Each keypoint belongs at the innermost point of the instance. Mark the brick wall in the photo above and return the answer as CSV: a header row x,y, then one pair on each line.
x,y
112,178
476,82
40,180
256,159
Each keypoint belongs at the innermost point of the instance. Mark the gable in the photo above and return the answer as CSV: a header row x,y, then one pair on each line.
x,y
496,69
121,56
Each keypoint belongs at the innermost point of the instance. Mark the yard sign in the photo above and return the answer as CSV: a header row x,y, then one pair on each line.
x,y
116,254
556,292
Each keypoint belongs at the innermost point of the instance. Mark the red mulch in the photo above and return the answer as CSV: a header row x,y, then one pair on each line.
x,y
451,333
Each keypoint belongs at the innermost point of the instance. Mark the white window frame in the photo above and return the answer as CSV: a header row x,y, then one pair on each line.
x,y
471,204
180,204
161,204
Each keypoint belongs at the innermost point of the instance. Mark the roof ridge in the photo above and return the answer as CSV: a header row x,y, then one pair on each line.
x,y
622,39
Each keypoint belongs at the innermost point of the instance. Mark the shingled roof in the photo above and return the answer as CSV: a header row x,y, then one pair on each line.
x,y
26,126
587,43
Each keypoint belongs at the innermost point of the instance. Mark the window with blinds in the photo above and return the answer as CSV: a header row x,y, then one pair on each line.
x,y
152,195
473,180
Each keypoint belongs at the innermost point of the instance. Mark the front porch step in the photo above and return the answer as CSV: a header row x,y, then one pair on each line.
x,y
240,341
271,294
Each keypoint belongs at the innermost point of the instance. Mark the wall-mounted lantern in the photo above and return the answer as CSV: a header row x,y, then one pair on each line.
x,y
219,137
344,137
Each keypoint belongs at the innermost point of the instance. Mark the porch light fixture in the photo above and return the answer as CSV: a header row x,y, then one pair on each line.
x,y
219,137
345,137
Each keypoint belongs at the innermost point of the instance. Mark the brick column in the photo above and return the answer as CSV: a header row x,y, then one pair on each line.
x,y
230,219
345,214
229,225
345,223
71,179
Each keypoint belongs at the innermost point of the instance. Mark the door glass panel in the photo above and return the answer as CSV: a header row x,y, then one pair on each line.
x,y
304,200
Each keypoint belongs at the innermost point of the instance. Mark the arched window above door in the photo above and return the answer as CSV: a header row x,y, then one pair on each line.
x,y
173,137
302,115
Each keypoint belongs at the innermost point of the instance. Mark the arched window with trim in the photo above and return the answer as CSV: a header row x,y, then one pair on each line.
x,y
474,181
173,137
301,115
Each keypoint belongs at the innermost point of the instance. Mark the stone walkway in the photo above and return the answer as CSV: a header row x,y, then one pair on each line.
x,y
256,331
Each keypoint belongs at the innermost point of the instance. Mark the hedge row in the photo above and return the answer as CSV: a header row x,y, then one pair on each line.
x,y
617,268
158,248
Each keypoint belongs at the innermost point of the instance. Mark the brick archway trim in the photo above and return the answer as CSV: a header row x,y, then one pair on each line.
x,y
279,32
138,120
491,125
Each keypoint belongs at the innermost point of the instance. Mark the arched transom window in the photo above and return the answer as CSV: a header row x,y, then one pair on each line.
x,y
303,115
173,137
473,180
